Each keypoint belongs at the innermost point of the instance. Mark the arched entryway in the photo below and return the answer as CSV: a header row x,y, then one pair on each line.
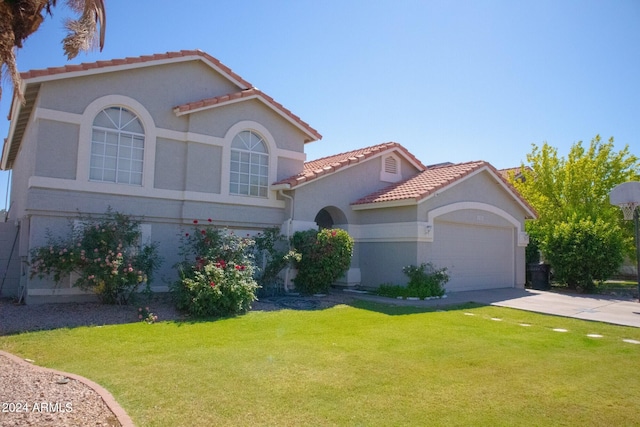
x,y
330,216
333,217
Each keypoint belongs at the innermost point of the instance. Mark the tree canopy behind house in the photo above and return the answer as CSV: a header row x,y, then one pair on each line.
x,y
576,223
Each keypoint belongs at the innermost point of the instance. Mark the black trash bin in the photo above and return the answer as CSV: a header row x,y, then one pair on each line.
x,y
539,276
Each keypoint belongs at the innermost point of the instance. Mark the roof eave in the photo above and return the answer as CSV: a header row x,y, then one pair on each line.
x,y
358,159
278,187
312,135
101,67
14,112
383,205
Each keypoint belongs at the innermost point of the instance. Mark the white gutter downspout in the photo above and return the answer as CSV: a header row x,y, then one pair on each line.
x,y
289,225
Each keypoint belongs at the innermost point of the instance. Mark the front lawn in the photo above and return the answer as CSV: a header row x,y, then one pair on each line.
x,y
357,365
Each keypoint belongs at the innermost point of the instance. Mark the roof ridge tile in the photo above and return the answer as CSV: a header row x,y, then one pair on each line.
x,y
347,158
130,60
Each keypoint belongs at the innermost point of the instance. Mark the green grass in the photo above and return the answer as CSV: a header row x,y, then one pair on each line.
x,y
365,365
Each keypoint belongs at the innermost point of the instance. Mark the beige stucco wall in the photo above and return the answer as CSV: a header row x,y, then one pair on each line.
x,y
171,158
187,169
480,187
159,88
346,186
57,153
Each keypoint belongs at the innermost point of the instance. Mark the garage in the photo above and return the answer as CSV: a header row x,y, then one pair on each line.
x,y
476,256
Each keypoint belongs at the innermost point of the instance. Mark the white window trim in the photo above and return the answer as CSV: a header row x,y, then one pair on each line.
x,y
390,177
226,157
260,155
86,131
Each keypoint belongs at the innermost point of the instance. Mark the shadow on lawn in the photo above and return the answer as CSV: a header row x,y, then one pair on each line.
x,y
395,310
24,318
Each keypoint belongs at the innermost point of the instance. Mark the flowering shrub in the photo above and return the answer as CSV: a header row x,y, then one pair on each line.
x,y
325,257
216,275
425,281
106,255
145,315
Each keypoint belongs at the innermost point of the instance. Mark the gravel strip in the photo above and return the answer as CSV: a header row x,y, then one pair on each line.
x,y
34,396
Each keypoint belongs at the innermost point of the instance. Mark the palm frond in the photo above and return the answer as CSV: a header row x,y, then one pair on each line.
x,y
82,32
21,18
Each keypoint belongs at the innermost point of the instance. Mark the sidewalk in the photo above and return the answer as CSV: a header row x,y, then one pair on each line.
x,y
597,308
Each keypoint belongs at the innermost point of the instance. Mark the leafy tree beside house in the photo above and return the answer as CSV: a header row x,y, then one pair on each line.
x,y
578,231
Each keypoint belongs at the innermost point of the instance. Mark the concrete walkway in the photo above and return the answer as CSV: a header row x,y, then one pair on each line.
x,y
598,308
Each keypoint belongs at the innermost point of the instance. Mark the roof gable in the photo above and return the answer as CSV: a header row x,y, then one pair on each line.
x,y
31,81
99,67
246,95
432,180
328,165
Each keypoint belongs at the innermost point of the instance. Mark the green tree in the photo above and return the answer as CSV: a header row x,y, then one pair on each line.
x,y
571,196
584,251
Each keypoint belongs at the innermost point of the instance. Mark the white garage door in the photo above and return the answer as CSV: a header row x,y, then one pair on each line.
x,y
478,257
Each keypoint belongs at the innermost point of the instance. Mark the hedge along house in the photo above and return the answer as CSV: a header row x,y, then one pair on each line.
x,y
179,136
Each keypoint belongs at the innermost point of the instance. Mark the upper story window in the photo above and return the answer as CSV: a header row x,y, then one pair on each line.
x,y
117,147
249,165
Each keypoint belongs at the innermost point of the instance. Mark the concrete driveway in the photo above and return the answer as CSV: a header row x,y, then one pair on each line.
x,y
597,308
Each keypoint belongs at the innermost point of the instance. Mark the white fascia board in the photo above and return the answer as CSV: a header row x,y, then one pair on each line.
x,y
515,196
494,176
131,66
16,107
312,137
356,164
179,113
383,205
281,187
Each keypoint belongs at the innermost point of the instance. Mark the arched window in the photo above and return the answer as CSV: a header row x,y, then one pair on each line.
x,y
249,165
117,147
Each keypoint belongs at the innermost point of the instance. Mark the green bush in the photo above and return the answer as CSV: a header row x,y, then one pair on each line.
x,y
583,251
325,257
425,281
105,253
216,275
272,255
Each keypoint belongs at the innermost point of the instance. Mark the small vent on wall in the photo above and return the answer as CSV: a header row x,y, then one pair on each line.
x,y
391,165
390,169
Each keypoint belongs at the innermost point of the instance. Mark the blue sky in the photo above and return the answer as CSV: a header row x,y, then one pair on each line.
x,y
450,80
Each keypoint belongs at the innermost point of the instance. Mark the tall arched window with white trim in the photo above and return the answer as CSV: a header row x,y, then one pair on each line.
x,y
249,165
117,147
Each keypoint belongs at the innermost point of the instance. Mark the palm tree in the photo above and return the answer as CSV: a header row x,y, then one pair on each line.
x,y
21,18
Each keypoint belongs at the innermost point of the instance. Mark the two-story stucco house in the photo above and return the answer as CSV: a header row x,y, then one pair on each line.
x,y
179,136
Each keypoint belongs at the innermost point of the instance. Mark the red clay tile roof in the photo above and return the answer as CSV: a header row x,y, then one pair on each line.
x,y
423,184
431,180
137,60
244,95
33,77
516,171
326,165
